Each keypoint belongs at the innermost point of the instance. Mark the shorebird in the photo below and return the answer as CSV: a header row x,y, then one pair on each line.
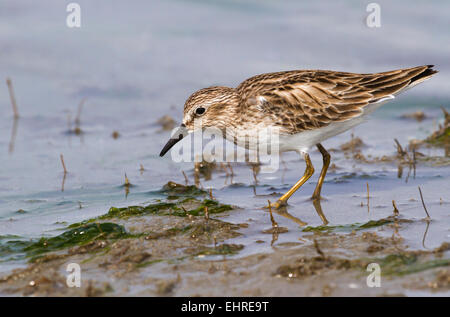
x,y
307,106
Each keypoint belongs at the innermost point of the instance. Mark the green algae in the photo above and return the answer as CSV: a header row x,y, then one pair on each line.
x,y
403,264
214,207
169,209
182,208
223,249
73,237
441,137
182,201
78,236
172,189
351,227
12,247
148,263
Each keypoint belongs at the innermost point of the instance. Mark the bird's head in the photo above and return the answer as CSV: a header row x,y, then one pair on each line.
x,y
207,107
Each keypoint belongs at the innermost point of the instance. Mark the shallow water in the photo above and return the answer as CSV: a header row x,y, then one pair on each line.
x,y
136,64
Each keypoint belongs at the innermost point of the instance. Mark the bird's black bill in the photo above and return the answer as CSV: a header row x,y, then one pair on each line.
x,y
171,143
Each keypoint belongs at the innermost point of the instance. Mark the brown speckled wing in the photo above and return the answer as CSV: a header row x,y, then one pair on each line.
x,y
309,99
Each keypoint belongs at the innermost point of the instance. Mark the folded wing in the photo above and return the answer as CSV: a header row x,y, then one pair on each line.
x,y
310,99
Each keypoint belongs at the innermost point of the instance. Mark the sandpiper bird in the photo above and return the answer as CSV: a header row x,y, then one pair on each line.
x,y
307,106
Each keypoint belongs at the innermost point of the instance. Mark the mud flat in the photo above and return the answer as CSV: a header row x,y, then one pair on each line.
x,y
182,247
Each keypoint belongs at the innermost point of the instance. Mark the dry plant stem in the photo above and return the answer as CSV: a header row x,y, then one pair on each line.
x,y
127,181
12,141
274,223
316,246
206,213
63,182
425,234
69,122
402,153
396,212
196,174
78,117
65,171
255,177
186,180
13,98
210,194
368,198
231,170
400,150
423,204
63,164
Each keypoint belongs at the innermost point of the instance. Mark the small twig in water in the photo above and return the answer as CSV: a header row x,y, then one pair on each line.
x,y
77,129
231,169
13,98
63,164
127,185
78,117
396,212
316,245
368,197
428,218
12,141
63,182
206,213
274,223
186,180
425,235
69,122
210,194
65,171
400,150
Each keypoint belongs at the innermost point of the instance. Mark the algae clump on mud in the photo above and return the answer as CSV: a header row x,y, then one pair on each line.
x,y
183,201
441,137
73,237
351,227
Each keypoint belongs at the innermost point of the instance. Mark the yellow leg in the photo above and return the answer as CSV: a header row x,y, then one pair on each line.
x,y
308,173
326,162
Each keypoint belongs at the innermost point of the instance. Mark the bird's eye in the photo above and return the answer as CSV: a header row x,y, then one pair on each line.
x,y
200,111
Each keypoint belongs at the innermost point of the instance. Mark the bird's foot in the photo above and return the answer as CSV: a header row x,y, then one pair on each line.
x,y
277,205
317,198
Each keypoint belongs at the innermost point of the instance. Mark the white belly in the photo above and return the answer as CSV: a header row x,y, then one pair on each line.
x,y
303,141
300,142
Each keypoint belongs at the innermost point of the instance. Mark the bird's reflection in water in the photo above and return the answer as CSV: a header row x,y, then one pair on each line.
x,y
317,206
275,230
